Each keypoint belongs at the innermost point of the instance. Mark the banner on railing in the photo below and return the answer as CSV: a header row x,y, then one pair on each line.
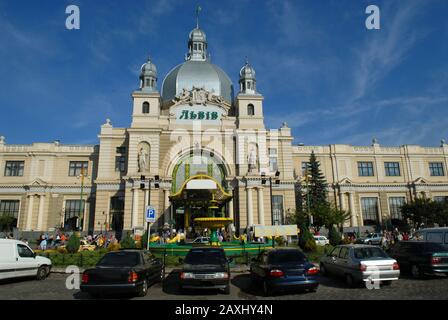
x,y
275,231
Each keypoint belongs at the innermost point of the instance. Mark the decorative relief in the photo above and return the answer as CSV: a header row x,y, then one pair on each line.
x,y
197,96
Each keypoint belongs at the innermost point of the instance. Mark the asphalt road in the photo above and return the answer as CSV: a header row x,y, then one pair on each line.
x,y
54,288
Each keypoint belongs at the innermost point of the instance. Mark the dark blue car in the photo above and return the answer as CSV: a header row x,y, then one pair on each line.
x,y
284,269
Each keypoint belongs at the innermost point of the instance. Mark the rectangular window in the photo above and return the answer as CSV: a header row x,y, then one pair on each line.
x,y
14,168
120,164
365,169
305,168
9,208
277,209
436,169
273,163
392,169
121,150
369,208
441,199
116,213
72,213
395,204
76,167
9,211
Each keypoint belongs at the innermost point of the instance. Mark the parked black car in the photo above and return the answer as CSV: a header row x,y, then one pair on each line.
x,y
205,268
283,269
126,271
421,258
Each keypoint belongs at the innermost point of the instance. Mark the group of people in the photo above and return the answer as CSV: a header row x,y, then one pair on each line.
x,y
46,241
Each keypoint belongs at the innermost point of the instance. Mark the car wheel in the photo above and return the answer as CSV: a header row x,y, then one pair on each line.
x,y
313,289
369,243
227,290
144,289
416,271
323,271
266,290
42,273
349,280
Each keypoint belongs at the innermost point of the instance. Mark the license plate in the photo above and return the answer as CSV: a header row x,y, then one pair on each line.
x,y
204,276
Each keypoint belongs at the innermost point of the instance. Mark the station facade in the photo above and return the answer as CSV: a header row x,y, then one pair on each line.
x,y
196,142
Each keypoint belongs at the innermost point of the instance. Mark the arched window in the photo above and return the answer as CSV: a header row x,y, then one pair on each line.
x,y
250,110
145,108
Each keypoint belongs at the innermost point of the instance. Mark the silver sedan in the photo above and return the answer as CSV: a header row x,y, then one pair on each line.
x,y
360,263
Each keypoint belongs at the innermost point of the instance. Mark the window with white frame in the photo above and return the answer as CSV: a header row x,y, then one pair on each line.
x,y
277,210
273,159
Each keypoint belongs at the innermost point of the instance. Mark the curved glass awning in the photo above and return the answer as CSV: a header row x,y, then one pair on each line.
x,y
200,190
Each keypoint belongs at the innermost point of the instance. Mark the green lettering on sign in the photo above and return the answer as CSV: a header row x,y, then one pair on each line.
x,y
199,115
184,115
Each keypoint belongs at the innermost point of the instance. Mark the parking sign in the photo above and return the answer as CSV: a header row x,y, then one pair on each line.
x,y
150,214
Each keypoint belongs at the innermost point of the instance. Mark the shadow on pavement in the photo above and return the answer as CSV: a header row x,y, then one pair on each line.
x,y
18,280
85,296
171,286
254,287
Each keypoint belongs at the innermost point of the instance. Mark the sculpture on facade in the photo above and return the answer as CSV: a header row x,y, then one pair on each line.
x,y
252,160
142,160
197,96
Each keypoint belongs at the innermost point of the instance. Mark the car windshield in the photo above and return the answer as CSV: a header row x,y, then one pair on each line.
x,y
432,247
372,252
286,256
119,259
205,257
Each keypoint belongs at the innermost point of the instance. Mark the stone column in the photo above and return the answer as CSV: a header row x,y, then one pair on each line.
x,y
40,216
166,205
351,204
341,200
29,217
134,207
260,206
250,208
231,209
146,196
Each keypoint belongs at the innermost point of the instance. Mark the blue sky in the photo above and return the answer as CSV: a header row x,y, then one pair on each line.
x,y
317,65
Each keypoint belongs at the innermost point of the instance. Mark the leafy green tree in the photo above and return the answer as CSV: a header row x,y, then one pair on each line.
x,y
423,211
334,236
305,235
6,223
73,244
127,242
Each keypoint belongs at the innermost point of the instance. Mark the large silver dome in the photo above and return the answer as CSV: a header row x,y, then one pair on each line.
x,y
198,74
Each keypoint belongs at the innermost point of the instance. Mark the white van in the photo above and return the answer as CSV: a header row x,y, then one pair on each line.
x,y
437,235
18,260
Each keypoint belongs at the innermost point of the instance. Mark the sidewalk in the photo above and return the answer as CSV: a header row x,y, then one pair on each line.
x,y
233,269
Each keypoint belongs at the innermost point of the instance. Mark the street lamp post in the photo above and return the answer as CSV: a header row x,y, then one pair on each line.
x,y
306,179
142,186
81,205
277,181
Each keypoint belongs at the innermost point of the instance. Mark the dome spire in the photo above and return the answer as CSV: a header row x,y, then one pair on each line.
x,y
197,42
148,76
198,10
247,79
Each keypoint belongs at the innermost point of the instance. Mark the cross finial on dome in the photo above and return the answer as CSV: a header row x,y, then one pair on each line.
x,y
198,10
